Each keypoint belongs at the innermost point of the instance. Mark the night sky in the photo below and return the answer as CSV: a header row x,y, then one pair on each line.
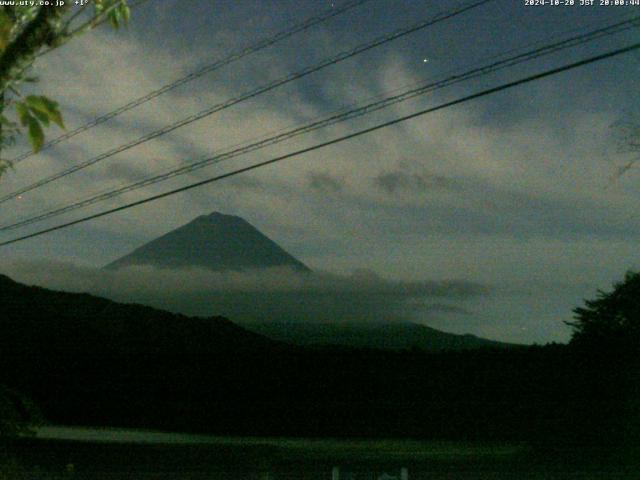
x,y
516,191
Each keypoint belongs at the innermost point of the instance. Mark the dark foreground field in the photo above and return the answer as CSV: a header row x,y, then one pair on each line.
x,y
539,412
255,458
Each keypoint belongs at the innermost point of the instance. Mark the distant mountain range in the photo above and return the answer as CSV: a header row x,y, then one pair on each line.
x,y
225,242
387,335
217,242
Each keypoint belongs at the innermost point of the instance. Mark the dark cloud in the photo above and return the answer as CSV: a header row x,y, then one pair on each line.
x,y
272,294
245,182
124,171
325,183
398,181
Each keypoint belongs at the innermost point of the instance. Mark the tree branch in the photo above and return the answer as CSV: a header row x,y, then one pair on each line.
x,y
40,31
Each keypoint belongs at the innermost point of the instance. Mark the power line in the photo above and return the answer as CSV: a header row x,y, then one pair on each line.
x,y
264,43
340,116
350,136
254,93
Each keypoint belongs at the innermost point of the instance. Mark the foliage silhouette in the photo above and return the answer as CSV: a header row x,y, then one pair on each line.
x,y
612,319
606,367
27,32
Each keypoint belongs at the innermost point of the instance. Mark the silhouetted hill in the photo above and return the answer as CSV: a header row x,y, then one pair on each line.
x,y
217,242
389,335
85,360
35,319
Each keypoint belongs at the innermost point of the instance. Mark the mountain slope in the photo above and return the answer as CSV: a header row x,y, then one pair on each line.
x,y
392,336
85,360
217,242
34,319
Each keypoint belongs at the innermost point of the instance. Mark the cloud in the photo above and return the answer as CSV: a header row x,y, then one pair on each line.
x,y
246,182
325,182
124,172
271,294
399,181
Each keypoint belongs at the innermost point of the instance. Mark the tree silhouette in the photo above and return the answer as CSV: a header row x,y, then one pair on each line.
x,y
606,374
612,319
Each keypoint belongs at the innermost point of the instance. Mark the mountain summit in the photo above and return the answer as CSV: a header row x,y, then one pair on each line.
x,y
218,242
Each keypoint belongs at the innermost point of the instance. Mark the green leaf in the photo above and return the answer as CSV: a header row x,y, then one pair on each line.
x,y
41,116
54,112
56,117
35,103
44,109
47,107
99,6
36,135
23,113
126,13
6,24
116,17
